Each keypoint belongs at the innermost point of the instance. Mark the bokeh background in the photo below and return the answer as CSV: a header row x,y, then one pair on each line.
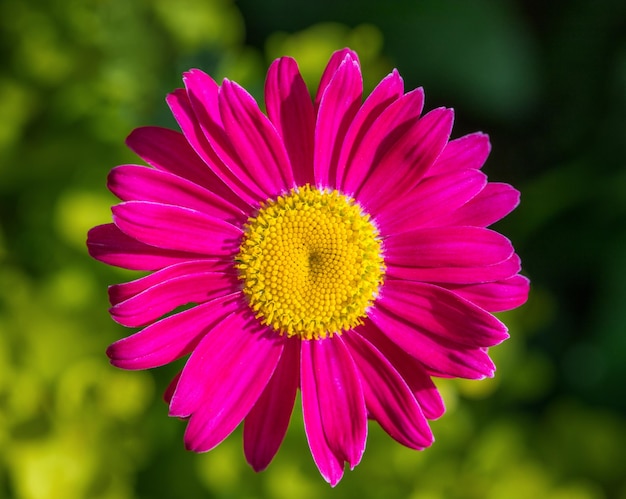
x,y
546,80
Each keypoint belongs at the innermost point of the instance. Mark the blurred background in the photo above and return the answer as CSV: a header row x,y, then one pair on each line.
x,y
546,80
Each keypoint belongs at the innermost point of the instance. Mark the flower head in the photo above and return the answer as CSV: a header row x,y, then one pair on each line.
x,y
334,246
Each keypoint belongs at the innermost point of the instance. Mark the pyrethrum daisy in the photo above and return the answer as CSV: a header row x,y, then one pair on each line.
x,y
335,246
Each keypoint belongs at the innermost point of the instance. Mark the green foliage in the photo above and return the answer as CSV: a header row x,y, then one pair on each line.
x,y
547,83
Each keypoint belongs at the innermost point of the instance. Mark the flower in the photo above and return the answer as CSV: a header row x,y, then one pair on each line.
x,y
333,246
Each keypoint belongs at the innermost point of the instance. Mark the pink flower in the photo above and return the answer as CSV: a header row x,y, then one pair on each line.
x,y
337,246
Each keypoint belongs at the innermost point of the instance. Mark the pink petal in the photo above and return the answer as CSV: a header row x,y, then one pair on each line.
x,y
266,424
255,139
401,166
209,103
496,296
386,92
412,371
337,108
203,95
121,292
171,388
223,378
429,200
290,108
209,140
493,203
443,356
331,68
339,398
163,297
172,337
457,275
469,151
440,313
138,183
176,228
110,245
447,247
381,137
168,150
387,397
326,460
203,98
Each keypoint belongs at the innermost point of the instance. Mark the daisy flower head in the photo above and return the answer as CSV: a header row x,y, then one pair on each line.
x,y
336,245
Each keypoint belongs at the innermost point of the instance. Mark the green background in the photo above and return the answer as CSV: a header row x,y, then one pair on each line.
x,y
546,80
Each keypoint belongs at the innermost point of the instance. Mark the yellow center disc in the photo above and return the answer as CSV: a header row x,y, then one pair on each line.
x,y
311,263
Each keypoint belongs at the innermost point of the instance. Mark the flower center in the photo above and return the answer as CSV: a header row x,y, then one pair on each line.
x,y
311,263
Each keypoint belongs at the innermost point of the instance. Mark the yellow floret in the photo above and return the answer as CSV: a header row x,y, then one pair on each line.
x,y
311,263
